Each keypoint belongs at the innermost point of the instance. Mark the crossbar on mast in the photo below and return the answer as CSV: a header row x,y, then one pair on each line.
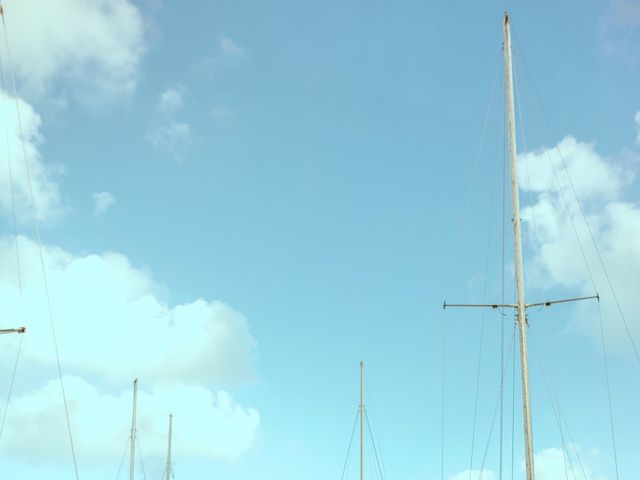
x,y
566,300
547,303
12,330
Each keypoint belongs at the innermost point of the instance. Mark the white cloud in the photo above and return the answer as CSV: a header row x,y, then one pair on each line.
x,y
101,203
551,464
45,190
170,101
230,48
93,48
601,184
206,424
112,325
592,175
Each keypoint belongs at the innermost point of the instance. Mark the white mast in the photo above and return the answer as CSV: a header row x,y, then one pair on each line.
x,y
517,240
169,449
520,306
361,420
132,461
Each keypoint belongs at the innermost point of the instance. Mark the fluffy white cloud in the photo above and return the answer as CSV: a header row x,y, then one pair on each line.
x,y
551,464
206,424
113,325
101,203
94,48
601,184
12,167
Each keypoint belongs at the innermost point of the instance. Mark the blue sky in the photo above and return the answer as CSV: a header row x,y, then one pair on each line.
x,y
239,202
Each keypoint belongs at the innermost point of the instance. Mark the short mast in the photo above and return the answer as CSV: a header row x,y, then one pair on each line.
x,y
361,420
169,449
517,239
132,460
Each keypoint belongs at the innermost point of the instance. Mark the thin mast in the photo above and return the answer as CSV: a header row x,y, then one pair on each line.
x,y
517,240
132,461
361,420
169,449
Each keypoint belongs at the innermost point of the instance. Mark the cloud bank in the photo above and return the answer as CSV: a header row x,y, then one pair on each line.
x,y
113,325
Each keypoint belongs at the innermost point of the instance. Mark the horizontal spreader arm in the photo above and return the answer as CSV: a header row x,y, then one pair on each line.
x,y
512,305
12,330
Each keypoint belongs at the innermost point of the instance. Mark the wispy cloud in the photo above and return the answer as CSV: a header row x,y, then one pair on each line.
x,y
169,133
229,47
102,201
619,30
170,101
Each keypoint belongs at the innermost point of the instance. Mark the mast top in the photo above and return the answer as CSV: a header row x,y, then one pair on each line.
x,y
506,17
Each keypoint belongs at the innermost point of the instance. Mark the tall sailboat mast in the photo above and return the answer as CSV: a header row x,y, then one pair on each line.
x,y
132,460
520,306
361,420
517,241
168,477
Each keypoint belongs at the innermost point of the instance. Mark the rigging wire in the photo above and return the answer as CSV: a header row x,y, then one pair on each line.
x,y
556,398
495,409
455,249
606,376
15,238
586,222
502,286
40,250
3,92
140,456
377,438
555,406
124,452
353,431
513,407
532,207
11,383
583,214
373,445
482,322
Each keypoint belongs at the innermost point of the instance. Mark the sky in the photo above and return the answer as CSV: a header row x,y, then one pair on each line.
x,y
239,201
